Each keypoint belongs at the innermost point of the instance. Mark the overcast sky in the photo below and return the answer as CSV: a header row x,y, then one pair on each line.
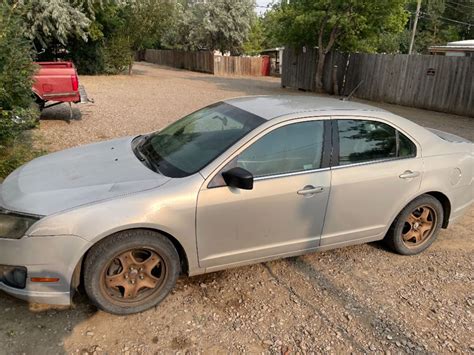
x,y
261,6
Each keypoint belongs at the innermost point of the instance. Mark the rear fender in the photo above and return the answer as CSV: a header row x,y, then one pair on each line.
x,y
38,95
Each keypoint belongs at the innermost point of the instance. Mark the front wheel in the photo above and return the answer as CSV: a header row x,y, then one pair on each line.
x,y
131,271
416,227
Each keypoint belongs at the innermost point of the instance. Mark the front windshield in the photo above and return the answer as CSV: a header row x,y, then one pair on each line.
x,y
188,145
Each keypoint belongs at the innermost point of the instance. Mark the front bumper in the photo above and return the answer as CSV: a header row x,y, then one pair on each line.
x,y
44,257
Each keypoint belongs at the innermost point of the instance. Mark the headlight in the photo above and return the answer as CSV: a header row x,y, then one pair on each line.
x,y
14,226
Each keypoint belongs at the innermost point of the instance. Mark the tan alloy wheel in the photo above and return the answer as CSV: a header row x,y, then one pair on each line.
x,y
419,226
133,276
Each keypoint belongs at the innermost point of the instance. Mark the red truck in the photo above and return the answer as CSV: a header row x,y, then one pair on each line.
x,y
57,82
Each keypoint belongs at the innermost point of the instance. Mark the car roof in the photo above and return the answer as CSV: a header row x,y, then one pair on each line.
x,y
272,106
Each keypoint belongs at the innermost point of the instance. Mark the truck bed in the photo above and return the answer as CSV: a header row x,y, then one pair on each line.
x,y
56,81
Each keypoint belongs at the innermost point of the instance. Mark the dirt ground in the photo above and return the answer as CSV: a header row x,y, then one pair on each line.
x,y
361,299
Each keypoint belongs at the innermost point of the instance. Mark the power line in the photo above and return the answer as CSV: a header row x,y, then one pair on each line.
x,y
448,19
459,4
454,7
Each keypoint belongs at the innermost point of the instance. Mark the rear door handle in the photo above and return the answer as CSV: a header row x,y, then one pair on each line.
x,y
408,174
310,190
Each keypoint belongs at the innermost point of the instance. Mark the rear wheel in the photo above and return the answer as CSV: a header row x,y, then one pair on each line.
x,y
416,227
131,271
40,103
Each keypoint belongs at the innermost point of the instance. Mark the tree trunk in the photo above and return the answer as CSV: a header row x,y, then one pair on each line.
x,y
321,58
319,71
130,65
322,51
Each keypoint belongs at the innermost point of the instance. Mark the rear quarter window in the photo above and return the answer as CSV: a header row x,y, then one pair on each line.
x,y
406,148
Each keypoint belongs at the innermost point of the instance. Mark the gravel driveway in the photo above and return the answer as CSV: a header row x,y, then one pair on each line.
x,y
361,299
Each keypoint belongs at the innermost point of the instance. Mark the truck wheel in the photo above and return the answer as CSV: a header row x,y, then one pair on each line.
x,y
416,227
131,271
40,103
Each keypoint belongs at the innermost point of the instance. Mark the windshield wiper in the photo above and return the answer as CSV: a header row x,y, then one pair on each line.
x,y
140,153
147,149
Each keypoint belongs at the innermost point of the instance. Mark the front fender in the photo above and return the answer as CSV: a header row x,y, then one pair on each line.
x,y
170,209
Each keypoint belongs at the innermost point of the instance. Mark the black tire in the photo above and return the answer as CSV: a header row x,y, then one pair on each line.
x,y
403,228
40,103
141,247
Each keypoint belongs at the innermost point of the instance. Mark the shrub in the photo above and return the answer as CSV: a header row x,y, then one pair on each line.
x,y
16,66
17,153
13,122
88,57
117,55
17,111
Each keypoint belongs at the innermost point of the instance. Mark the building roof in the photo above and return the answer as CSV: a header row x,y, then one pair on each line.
x,y
457,46
273,106
466,43
276,49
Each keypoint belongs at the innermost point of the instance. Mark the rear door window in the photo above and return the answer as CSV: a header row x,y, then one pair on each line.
x,y
365,141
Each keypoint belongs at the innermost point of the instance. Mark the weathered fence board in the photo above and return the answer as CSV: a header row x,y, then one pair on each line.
x,y
206,62
195,61
299,69
230,65
437,83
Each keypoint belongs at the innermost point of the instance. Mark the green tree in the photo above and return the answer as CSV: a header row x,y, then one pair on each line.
x,y
256,40
345,24
145,24
49,21
91,54
147,21
117,30
214,25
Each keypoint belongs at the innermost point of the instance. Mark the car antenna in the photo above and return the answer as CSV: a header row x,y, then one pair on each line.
x,y
348,97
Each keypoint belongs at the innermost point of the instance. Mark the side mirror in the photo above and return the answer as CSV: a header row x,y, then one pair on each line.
x,y
239,178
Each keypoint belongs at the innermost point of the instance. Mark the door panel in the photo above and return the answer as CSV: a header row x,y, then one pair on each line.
x,y
376,172
240,225
364,198
283,213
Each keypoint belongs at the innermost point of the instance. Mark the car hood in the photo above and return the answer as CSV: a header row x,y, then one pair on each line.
x,y
77,176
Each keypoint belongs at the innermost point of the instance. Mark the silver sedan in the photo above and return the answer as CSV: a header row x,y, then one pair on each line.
x,y
238,182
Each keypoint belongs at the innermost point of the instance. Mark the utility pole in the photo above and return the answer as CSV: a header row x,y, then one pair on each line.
x,y
417,14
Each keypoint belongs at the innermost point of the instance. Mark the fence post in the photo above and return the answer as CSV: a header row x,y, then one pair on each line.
x,y
334,81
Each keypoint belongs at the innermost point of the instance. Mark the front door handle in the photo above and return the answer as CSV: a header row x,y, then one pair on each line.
x,y
310,190
408,174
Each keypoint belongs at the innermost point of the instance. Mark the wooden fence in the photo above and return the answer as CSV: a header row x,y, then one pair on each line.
x,y
205,62
247,66
436,83
195,61
299,68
